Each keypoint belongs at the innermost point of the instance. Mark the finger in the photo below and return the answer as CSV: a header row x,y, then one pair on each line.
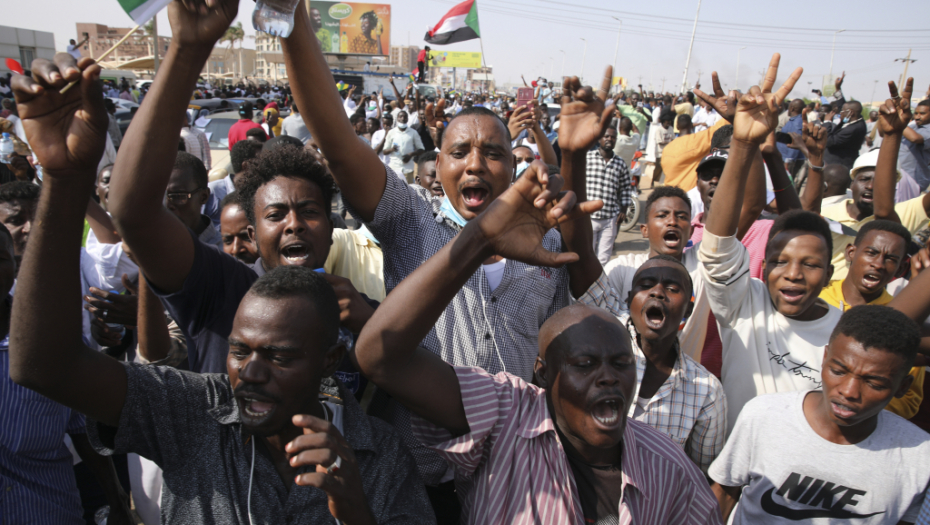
x,y
771,74
605,83
67,68
564,205
320,480
42,72
715,81
324,457
908,90
102,294
25,89
582,210
96,304
312,423
543,257
892,89
786,88
128,284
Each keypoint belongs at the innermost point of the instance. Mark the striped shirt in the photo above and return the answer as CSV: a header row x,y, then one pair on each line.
x,y
36,477
511,467
690,407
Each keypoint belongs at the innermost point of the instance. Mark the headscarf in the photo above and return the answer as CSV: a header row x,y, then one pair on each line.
x,y
276,129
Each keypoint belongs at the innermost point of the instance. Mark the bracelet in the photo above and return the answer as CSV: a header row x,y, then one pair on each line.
x,y
812,167
783,189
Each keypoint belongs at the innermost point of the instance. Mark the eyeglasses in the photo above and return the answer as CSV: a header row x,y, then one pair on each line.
x,y
179,199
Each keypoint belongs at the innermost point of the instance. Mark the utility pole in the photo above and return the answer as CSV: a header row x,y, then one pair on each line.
x,y
155,47
616,50
584,56
663,85
907,61
834,50
562,74
737,66
684,78
874,86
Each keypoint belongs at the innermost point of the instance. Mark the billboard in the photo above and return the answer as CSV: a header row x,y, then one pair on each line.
x,y
351,28
464,59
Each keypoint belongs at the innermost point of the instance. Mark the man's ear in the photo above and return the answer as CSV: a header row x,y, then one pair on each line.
x,y
251,231
850,253
539,373
332,358
205,196
644,229
689,310
904,386
826,281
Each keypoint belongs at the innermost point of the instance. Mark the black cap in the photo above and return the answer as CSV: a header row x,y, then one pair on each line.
x,y
245,108
716,157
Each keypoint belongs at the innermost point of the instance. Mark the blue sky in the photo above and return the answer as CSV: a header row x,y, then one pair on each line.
x,y
526,36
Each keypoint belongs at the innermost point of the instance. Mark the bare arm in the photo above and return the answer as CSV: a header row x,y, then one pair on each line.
x,y
727,497
101,224
786,198
154,339
546,151
913,136
893,117
67,136
813,141
103,469
355,166
913,300
755,199
159,241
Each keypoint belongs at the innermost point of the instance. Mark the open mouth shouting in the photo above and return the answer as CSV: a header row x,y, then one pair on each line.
x,y
436,189
842,411
475,194
792,294
866,197
254,408
606,412
872,281
672,238
296,253
654,315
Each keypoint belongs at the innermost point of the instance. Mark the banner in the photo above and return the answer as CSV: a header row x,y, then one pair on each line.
x,y
351,28
463,59
141,11
619,81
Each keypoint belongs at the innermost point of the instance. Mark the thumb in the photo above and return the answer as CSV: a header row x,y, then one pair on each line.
x,y
544,257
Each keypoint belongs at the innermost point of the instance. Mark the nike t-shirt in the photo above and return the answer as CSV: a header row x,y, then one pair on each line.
x,y
790,474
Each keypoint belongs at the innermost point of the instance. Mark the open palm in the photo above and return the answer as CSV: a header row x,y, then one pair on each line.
x,y
583,117
757,111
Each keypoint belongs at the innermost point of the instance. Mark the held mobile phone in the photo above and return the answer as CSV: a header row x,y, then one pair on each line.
x,y
524,96
783,137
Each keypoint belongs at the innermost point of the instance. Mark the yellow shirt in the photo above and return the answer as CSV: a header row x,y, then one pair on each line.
x,y
912,213
359,260
908,405
681,157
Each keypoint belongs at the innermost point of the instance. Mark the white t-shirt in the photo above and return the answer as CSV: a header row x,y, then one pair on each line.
x,y
763,351
494,272
376,139
407,141
74,51
792,475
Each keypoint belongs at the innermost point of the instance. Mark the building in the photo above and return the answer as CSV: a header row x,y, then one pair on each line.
x,y
229,62
405,57
481,79
101,38
24,45
269,60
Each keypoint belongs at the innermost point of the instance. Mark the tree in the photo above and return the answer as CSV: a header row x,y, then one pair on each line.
x,y
150,33
235,34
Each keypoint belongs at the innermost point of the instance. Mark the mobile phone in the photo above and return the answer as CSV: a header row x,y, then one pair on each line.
x,y
524,96
783,137
639,104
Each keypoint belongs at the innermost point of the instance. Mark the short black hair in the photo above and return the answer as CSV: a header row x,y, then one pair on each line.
x,y
881,327
296,281
723,135
258,133
283,161
357,116
427,157
231,198
667,115
242,151
885,226
283,140
683,121
802,220
669,258
19,190
666,191
924,102
185,160
481,111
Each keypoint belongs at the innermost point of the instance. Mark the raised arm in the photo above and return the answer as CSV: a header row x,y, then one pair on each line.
x,y
387,352
913,300
101,223
584,120
546,151
786,197
893,117
159,241
812,142
67,136
355,166
756,117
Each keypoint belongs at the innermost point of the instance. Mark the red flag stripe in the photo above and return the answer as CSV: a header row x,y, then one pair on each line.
x,y
459,10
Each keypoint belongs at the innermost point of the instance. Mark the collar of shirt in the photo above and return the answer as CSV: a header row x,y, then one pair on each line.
x,y
675,379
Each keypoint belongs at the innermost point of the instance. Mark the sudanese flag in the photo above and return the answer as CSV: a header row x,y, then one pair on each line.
x,y
459,24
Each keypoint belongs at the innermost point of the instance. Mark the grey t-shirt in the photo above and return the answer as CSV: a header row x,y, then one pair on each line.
x,y
188,424
790,474
293,126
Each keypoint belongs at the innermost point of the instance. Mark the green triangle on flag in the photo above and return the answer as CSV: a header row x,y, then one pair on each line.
x,y
471,19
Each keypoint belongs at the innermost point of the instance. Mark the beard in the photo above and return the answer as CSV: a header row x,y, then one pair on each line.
x,y
865,208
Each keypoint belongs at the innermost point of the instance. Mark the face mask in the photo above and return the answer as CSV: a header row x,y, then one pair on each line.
x,y
521,167
401,125
845,120
372,108
446,209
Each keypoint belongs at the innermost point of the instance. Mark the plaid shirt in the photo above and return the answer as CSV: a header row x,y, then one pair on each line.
x,y
924,517
497,331
609,182
690,407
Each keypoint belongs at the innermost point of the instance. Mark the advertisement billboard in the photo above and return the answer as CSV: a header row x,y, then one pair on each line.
x,y
464,59
348,28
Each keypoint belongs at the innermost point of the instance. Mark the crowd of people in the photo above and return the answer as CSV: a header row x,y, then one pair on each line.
x,y
471,349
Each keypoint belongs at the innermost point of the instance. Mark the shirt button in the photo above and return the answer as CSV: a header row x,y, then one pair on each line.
x,y
493,299
487,336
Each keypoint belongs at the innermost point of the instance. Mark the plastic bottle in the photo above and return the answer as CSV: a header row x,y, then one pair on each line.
x,y
100,517
6,148
275,17
344,45
335,46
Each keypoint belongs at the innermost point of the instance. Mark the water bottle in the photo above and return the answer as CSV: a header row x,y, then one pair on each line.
x,y
275,17
100,517
6,148
335,42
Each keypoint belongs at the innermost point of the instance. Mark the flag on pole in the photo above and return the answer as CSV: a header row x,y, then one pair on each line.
x,y
459,24
141,11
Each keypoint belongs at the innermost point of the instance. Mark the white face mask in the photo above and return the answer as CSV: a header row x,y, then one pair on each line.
x,y
401,125
521,167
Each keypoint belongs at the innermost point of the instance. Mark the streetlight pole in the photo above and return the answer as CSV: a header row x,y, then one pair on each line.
x,y
684,78
562,75
737,66
583,58
874,86
616,49
551,66
833,50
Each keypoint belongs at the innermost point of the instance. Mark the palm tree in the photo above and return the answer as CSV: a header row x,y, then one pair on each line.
x,y
150,33
235,34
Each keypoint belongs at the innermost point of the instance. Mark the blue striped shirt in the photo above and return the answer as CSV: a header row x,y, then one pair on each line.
x,y
36,477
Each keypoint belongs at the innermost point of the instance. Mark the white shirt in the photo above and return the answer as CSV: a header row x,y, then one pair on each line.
x,y
405,141
74,51
763,351
494,272
376,139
